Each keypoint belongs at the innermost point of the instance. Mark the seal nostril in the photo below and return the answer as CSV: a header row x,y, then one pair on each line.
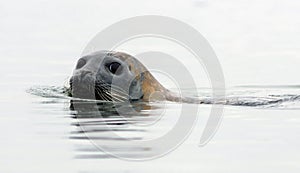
x,y
81,62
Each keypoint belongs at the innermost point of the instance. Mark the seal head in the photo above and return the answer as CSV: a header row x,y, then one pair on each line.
x,y
113,76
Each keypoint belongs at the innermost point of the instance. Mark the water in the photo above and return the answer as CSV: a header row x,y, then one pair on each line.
x,y
257,44
260,127
259,132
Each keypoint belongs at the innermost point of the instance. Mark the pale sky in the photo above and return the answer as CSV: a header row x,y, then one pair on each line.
x,y
257,42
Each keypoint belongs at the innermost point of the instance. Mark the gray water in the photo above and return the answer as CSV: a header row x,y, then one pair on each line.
x,y
257,43
259,132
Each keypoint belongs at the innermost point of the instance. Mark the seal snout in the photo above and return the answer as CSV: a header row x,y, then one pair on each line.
x,y
82,79
85,75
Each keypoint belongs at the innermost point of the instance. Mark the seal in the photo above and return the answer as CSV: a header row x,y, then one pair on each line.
x,y
118,76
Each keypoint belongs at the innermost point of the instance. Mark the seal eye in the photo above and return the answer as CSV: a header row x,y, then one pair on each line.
x,y
80,63
113,67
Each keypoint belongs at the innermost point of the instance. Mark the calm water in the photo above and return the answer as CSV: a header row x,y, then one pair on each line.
x,y
259,131
257,44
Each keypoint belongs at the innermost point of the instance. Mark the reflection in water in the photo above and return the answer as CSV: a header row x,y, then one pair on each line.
x,y
95,121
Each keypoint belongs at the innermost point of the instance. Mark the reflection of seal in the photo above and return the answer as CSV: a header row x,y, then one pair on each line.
x,y
117,76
